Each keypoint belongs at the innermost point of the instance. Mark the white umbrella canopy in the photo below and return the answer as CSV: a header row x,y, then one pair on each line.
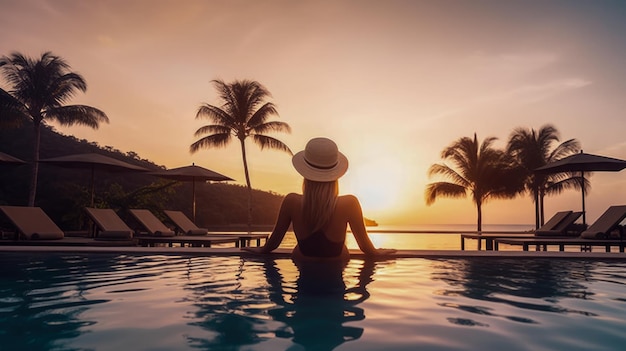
x,y
191,174
583,162
94,162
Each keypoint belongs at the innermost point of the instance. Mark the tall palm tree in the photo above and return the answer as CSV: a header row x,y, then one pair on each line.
x,y
39,89
478,169
244,113
535,148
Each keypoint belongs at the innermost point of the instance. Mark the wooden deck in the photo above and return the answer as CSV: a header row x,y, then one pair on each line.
x,y
544,243
69,241
81,239
239,240
490,238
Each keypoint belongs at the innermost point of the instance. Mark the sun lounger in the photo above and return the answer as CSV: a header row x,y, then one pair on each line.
x,y
151,223
559,224
184,224
606,223
189,228
32,222
109,224
598,234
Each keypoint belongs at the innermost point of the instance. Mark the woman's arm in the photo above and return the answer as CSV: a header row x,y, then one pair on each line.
x,y
280,228
357,225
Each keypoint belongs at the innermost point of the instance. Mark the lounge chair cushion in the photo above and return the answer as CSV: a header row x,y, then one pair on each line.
x,y
199,231
184,224
592,235
554,233
560,225
32,222
46,235
151,223
606,223
164,233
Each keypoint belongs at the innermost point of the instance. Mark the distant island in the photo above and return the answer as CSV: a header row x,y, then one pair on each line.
x,y
370,222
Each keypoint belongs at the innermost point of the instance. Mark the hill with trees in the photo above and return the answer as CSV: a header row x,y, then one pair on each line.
x,y
63,192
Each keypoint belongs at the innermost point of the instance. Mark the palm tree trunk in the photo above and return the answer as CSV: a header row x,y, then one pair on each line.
x,y
35,169
247,174
479,211
537,209
541,213
542,195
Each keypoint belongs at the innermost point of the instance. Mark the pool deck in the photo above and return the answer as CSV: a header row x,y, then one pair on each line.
x,y
285,253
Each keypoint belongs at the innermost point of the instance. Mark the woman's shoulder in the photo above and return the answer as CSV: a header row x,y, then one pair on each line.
x,y
348,199
292,197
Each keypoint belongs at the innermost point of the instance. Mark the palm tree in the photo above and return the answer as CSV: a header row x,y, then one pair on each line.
x,y
244,113
479,169
535,148
39,89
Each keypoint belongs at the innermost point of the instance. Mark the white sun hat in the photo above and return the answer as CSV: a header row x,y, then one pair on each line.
x,y
320,161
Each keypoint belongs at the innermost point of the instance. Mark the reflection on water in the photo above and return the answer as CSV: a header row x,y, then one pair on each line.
x,y
540,283
315,312
118,302
43,297
309,305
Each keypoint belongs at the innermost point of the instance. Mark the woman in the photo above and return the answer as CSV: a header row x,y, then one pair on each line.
x,y
319,216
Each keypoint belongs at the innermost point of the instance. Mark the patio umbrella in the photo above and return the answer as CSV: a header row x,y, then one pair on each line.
x,y
191,174
10,160
94,162
582,163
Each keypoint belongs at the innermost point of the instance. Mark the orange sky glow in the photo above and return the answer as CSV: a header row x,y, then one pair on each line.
x,y
392,82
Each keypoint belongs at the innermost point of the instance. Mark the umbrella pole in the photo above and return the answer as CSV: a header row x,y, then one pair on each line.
x,y
92,185
582,186
193,201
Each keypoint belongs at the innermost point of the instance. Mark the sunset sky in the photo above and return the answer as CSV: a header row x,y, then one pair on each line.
x,y
392,82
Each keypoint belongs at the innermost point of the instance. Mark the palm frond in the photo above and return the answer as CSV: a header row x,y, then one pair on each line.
x,y
214,140
216,115
443,189
566,183
77,115
447,172
262,114
566,148
65,87
273,126
212,129
12,112
268,142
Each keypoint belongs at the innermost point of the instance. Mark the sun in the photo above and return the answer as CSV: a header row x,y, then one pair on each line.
x,y
379,182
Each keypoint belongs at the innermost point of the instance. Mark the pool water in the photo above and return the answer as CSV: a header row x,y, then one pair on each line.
x,y
162,302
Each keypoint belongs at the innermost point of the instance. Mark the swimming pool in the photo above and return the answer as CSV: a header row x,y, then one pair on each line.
x,y
176,302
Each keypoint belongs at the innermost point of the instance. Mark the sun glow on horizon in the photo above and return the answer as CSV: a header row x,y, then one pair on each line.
x,y
380,181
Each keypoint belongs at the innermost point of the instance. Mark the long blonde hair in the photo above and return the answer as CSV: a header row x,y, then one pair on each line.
x,y
318,205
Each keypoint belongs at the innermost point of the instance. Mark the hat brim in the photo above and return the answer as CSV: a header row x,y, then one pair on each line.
x,y
320,174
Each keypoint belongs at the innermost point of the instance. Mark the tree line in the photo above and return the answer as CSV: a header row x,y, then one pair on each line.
x,y
483,172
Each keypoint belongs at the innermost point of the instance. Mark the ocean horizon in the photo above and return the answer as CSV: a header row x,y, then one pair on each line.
x,y
462,228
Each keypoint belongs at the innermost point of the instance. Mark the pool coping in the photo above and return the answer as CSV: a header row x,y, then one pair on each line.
x,y
281,253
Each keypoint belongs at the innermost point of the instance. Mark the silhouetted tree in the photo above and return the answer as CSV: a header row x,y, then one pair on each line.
x,y
535,148
478,169
244,113
39,89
